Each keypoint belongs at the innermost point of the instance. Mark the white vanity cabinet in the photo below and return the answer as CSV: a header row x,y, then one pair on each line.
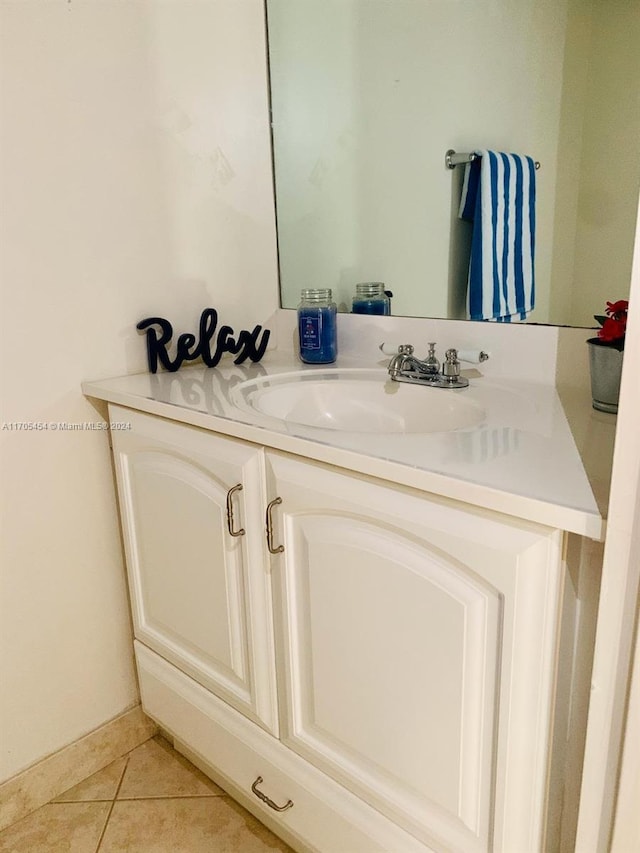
x,y
412,640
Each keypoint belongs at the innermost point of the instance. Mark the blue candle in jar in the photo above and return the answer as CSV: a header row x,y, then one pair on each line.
x,y
370,306
317,327
371,298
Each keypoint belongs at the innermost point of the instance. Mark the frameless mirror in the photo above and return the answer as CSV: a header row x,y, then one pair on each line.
x,y
368,95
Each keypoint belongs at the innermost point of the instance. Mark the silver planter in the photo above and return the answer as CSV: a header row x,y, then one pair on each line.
x,y
605,363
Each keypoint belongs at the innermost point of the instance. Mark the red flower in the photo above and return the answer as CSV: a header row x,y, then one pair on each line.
x,y
612,329
618,310
614,326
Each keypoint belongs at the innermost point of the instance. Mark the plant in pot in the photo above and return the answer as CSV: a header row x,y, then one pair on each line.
x,y
605,356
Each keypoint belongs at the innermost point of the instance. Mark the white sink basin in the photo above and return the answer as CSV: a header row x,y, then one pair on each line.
x,y
356,400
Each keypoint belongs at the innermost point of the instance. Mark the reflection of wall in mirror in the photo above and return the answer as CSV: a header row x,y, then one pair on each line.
x,y
366,100
599,163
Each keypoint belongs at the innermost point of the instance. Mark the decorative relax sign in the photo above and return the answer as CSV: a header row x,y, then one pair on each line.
x,y
188,348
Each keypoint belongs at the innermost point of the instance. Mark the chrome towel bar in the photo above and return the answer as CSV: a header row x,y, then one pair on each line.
x,y
453,159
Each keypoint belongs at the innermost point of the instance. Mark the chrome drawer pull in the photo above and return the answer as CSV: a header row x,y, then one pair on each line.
x,y
270,546
230,494
266,799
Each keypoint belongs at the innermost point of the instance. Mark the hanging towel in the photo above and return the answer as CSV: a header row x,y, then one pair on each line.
x,y
498,196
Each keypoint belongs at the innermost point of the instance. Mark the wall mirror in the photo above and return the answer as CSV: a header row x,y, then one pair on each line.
x,y
368,95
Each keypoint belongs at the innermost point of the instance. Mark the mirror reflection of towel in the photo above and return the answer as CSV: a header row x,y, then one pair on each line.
x,y
498,196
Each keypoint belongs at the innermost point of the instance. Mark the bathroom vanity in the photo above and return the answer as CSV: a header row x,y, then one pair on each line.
x,y
356,633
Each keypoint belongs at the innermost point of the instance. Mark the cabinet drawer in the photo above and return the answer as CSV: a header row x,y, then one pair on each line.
x,y
325,817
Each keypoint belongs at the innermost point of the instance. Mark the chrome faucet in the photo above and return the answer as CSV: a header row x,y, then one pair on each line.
x,y
404,361
405,367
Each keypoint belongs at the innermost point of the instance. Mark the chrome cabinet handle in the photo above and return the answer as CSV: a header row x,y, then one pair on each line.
x,y
270,546
266,799
230,521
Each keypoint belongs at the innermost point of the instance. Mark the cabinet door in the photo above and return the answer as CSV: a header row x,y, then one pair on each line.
x,y
417,642
200,595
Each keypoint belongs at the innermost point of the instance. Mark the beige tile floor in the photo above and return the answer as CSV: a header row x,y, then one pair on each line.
x,y
150,801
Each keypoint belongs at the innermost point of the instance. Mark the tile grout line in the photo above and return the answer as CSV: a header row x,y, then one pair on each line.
x,y
131,799
173,797
69,802
113,802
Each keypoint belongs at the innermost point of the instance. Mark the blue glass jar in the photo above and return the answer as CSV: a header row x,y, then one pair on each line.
x,y
371,298
317,327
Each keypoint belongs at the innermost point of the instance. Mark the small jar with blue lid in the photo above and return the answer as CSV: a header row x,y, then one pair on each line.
x,y
317,327
371,298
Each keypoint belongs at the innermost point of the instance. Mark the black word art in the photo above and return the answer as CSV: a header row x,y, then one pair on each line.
x,y
188,348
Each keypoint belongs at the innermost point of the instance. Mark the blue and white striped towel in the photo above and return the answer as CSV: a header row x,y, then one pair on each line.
x,y
498,196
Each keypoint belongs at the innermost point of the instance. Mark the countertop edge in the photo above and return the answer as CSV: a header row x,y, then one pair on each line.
x,y
569,519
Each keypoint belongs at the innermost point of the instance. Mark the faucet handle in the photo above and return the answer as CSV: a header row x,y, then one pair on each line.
x,y
451,366
473,356
432,363
396,349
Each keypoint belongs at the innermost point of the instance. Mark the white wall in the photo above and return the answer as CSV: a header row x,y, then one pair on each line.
x,y
598,175
609,163
135,181
575,73
610,763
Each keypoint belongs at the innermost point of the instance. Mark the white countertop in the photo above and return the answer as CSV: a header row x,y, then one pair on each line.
x,y
521,458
